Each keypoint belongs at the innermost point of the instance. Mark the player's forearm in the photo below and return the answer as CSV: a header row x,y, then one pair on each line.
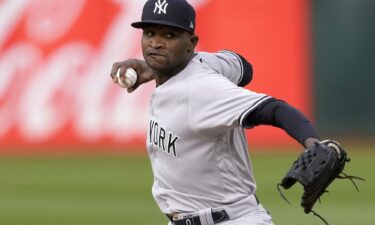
x,y
280,114
295,124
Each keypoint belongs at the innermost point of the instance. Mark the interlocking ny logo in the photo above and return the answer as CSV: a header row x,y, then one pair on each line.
x,y
161,6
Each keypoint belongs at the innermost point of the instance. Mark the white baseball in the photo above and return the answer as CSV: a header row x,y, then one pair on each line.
x,y
130,78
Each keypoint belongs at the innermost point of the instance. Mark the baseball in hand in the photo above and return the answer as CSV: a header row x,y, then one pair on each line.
x,y
130,78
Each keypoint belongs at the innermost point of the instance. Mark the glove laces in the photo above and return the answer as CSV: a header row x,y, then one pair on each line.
x,y
351,178
341,176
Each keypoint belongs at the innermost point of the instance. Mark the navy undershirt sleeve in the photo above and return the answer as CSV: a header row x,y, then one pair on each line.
x,y
247,71
280,114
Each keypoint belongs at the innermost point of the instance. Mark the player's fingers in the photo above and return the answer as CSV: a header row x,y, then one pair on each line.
x,y
113,73
116,68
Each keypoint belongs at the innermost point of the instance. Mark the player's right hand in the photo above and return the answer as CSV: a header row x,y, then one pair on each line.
x,y
144,73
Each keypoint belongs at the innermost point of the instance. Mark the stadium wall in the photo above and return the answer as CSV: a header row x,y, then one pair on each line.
x,y
55,59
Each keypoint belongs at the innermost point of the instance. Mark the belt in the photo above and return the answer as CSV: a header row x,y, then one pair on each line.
x,y
217,216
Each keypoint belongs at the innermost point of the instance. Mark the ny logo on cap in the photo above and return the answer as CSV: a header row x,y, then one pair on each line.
x,y
161,6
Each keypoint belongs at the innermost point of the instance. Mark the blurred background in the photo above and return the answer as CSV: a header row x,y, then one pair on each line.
x,y
72,143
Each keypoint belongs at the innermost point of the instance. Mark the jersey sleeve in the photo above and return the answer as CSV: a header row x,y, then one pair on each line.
x,y
231,65
215,105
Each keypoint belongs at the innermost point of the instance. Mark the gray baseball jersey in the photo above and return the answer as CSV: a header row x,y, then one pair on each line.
x,y
195,140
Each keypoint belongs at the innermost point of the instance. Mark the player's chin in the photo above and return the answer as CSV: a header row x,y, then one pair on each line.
x,y
157,64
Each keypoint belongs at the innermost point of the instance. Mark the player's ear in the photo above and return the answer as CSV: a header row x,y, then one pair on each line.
x,y
193,42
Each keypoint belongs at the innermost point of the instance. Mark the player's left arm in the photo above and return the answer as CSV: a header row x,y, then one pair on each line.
x,y
282,115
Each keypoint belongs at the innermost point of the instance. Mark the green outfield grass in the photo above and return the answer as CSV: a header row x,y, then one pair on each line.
x,y
115,190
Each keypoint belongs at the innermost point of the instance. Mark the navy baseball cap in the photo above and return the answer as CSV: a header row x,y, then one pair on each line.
x,y
174,13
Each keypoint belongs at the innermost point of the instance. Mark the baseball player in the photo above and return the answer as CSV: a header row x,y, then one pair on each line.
x,y
198,112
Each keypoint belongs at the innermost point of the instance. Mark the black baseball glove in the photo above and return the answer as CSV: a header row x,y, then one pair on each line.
x,y
315,169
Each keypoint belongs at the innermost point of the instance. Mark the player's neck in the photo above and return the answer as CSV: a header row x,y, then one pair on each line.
x,y
163,76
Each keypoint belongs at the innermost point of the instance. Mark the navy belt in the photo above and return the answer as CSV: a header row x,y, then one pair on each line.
x,y
217,216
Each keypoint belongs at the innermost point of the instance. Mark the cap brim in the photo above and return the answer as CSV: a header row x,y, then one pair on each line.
x,y
157,22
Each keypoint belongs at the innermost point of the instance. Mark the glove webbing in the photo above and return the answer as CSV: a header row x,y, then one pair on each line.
x,y
343,176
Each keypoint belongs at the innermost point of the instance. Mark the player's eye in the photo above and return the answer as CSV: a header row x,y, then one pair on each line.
x,y
170,35
148,33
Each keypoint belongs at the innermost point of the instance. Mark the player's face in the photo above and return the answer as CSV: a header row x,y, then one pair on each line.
x,y
166,49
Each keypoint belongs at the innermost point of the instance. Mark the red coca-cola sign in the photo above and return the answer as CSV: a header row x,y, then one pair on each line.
x,y
55,59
